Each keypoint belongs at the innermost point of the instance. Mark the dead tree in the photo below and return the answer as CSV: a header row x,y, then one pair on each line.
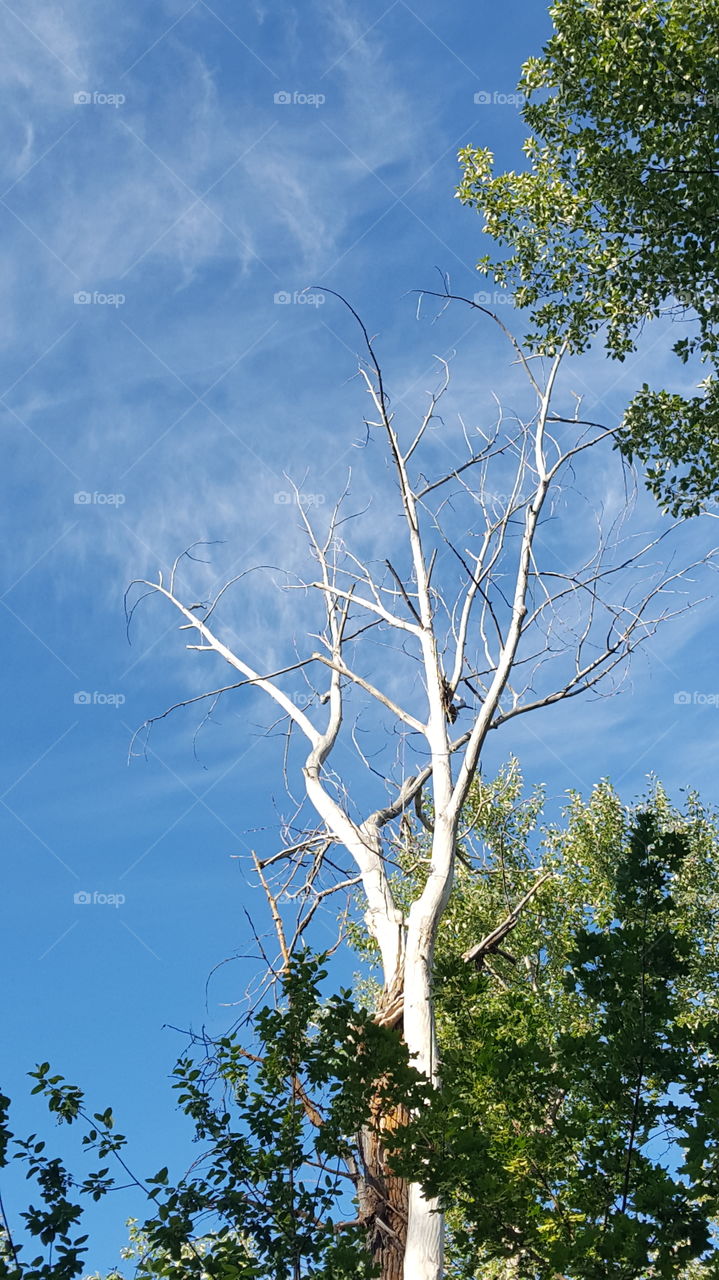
x,y
491,620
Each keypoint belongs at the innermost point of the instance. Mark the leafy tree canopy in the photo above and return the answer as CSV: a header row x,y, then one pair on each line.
x,y
576,1134
616,219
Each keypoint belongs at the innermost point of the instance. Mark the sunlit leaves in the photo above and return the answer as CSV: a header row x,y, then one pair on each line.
x,y
581,1122
615,220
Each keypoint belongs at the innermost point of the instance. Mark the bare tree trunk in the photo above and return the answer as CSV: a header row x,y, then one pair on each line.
x,y
425,1226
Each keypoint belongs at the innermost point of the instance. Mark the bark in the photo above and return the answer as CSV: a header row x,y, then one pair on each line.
x,y
425,1227
424,1254
383,1199
405,1230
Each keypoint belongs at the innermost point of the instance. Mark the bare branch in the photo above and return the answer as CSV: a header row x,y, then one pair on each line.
x,y
491,941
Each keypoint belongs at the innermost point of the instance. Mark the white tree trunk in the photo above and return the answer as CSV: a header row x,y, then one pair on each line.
x,y
424,1254
423,1258
424,1251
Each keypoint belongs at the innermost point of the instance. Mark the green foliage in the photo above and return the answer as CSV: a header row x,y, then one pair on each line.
x,y
54,1224
576,1133
277,1128
615,219
578,1125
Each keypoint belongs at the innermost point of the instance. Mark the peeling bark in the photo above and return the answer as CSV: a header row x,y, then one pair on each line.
x,y
384,1199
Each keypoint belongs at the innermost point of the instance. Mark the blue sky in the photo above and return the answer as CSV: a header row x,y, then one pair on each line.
x,y
169,171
